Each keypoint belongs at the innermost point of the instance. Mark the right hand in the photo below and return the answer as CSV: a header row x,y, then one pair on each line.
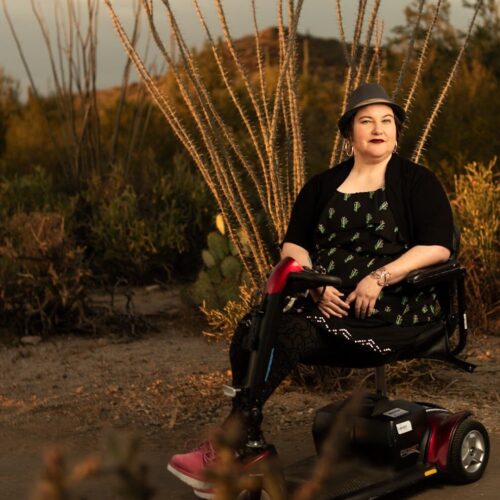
x,y
330,302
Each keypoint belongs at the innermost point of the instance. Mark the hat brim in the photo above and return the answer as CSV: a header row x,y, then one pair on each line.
x,y
346,117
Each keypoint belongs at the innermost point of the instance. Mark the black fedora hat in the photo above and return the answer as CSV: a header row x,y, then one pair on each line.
x,y
364,95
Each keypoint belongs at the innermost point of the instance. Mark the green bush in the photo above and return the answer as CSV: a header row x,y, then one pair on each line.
x,y
30,192
135,235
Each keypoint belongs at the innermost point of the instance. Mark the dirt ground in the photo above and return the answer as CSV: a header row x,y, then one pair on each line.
x,y
164,387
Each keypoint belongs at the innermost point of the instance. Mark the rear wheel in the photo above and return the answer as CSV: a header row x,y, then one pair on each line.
x,y
469,452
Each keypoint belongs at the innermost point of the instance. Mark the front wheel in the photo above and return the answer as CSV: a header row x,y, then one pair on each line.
x,y
469,452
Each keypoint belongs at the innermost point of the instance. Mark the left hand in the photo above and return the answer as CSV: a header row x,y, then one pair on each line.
x,y
364,296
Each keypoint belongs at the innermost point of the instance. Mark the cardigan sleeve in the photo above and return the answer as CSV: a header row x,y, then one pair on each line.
x,y
304,216
431,210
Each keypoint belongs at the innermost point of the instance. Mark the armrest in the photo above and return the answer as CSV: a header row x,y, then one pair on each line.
x,y
437,273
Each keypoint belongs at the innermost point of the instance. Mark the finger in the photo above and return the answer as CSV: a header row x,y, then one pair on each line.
x,y
371,307
337,301
365,307
350,298
357,307
327,310
334,310
335,291
360,308
363,312
323,311
342,304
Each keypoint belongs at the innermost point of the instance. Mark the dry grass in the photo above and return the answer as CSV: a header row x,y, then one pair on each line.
x,y
222,323
42,275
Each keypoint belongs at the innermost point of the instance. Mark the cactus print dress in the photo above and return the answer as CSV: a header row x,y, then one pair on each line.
x,y
355,235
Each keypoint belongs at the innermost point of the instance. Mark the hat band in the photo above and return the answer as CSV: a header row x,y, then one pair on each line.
x,y
373,101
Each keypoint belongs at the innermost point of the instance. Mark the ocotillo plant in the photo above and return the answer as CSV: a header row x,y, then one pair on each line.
x,y
71,48
274,168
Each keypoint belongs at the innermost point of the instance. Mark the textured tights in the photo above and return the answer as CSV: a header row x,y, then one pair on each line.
x,y
298,341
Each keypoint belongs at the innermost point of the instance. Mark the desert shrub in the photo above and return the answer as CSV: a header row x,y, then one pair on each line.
x,y
42,275
33,191
222,322
135,234
117,235
476,208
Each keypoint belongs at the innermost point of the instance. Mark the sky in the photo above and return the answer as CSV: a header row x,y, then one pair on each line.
x,y
317,18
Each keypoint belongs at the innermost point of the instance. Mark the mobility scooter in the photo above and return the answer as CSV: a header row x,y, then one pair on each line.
x,y
389,444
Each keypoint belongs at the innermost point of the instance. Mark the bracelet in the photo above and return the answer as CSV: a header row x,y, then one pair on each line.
x,y
381,275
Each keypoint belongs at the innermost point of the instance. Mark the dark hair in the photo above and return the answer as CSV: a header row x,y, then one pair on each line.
x,y
347,130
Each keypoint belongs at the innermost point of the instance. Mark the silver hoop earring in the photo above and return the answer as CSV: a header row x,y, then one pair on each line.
x,y
395,150
349,151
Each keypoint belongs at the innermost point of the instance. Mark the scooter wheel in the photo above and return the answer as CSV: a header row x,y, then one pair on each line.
x,y
469,452
253,495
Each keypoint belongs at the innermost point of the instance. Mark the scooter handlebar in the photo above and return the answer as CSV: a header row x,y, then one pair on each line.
x,y
301,281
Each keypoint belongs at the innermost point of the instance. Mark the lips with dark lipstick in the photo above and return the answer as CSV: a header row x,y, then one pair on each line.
x,y
377,141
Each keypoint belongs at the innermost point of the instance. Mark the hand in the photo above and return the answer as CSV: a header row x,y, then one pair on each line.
x,y
329,301
364,296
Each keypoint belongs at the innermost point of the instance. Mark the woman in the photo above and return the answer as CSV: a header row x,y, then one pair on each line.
x,y
370,220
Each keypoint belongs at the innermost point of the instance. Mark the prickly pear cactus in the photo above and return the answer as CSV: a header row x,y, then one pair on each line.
x,y
222,273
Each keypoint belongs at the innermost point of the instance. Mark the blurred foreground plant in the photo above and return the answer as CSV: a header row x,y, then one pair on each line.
x,y
119,461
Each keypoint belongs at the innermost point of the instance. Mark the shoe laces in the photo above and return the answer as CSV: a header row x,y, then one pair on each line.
x,y
208,452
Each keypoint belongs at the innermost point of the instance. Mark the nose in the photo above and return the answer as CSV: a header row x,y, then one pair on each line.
x,y
377,128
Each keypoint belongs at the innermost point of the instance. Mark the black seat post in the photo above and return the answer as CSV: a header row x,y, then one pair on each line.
x,y
380,381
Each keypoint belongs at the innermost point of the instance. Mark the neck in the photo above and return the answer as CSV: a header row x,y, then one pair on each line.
x,y
364,165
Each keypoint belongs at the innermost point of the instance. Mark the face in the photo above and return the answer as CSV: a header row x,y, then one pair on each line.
x,y
374,132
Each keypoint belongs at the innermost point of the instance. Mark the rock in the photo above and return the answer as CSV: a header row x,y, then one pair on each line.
x,y
31,340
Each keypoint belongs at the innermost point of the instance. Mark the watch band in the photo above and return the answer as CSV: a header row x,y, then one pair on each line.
x,y
381,275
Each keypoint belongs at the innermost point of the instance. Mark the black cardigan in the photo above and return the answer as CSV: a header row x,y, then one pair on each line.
x,y
418,203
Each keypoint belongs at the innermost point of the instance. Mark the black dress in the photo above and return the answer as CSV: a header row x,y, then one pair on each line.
x,y
356,234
